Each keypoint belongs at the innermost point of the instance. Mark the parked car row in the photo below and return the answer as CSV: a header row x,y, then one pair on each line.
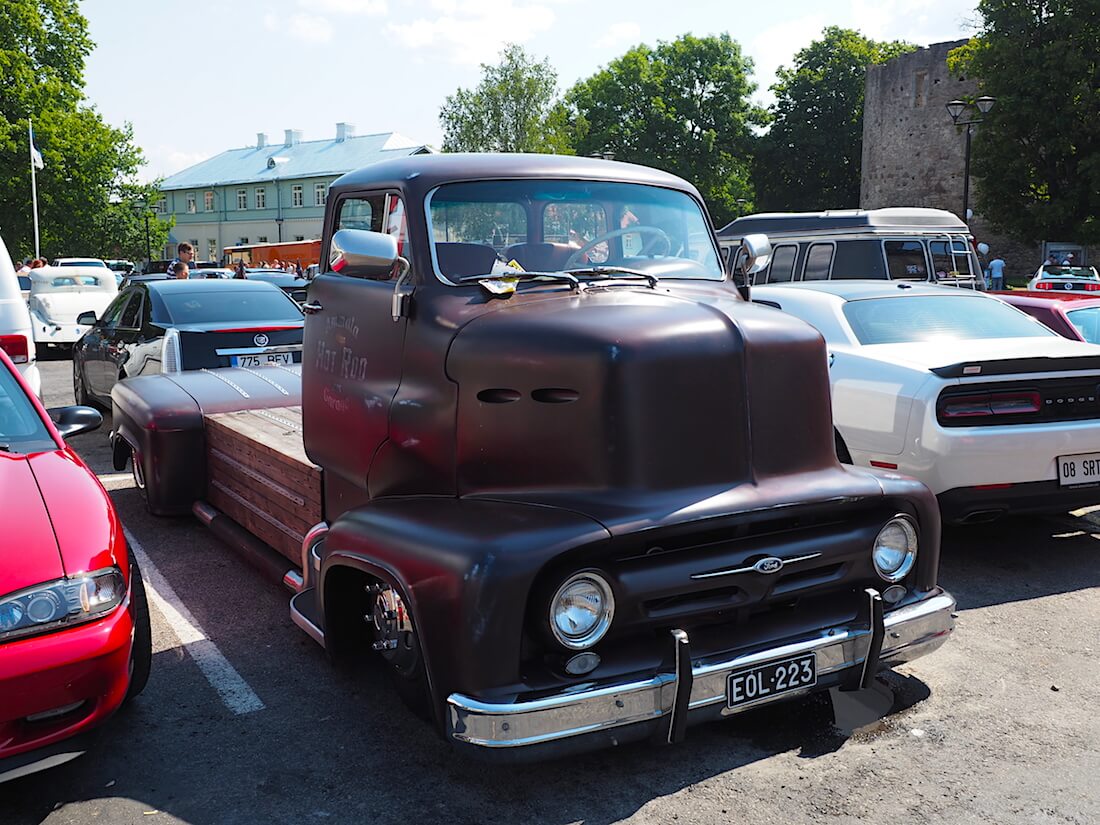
x,y
583,493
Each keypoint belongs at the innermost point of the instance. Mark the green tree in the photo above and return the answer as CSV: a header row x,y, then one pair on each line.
x,y
90,177
810,158
512,109
1036,157
683,107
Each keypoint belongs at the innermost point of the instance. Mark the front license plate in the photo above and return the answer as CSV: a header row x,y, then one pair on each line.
x,y
264,360
1079,469
759,682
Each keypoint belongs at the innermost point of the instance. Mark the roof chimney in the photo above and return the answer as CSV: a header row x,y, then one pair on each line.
x,y
293,137
344,131
261,140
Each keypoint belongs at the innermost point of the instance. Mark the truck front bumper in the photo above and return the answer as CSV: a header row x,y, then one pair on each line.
x,y
606,714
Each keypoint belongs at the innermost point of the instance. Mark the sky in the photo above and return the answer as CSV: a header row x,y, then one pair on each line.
x,y
197,77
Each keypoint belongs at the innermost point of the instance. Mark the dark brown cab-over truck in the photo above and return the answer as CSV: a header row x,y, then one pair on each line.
x,y
583,492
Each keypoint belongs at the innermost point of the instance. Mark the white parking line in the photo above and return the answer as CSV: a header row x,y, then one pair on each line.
x,y
233,690
108,478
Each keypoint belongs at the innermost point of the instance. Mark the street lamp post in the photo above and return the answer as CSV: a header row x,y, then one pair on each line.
x,y
955,109
144,207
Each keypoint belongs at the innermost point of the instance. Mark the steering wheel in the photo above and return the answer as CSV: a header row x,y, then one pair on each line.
x,y
575,258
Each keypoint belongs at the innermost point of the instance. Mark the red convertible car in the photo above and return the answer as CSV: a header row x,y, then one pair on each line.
x,y
1072,315
75,642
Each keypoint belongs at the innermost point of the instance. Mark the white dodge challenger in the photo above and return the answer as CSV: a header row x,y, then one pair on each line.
x,y
985,405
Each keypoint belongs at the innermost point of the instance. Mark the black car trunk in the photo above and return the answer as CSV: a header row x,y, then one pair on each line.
x,y
253,344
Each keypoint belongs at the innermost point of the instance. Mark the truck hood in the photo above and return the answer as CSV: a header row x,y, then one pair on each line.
x,y
28,554
616,396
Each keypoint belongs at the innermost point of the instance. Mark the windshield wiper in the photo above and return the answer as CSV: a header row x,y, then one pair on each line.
x,y
615,272
520,275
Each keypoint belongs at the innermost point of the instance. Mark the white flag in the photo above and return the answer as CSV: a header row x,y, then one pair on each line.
x,y
36,156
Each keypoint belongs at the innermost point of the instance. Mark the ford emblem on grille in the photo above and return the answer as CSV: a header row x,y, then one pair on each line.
x,y
261,340
769,565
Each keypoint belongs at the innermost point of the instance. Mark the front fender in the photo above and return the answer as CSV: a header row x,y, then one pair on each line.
x,y
465,568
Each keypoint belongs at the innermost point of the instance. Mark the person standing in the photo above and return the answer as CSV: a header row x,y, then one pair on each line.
x,y
185,253
180,271
997,273
240,274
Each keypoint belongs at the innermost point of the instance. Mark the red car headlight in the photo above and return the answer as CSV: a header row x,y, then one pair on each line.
x,y
60,603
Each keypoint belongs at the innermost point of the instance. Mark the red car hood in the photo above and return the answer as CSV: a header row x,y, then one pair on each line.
x,y
60,520
28,550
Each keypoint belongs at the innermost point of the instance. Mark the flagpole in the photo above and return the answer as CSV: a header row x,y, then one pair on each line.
x,y
34,185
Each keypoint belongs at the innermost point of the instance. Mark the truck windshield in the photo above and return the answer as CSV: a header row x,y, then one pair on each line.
x,y
938,318
496,227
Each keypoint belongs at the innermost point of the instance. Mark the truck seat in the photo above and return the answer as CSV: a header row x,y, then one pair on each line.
x,y
456,260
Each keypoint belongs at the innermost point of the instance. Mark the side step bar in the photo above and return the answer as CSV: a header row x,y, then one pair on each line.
x,y
261,556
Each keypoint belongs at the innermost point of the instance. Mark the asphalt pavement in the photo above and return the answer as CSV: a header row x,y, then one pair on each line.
x,y
245,720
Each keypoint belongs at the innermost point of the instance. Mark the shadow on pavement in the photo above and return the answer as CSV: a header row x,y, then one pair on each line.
x,y
1019,558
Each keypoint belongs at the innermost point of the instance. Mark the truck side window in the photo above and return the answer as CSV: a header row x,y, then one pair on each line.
x,y
905,260
819,261
781,268
362,213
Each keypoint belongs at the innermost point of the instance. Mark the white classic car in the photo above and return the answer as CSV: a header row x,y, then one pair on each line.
x,y
982,403
60,294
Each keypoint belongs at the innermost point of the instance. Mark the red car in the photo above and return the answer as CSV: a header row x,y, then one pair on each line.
x,y
1072,315
75,642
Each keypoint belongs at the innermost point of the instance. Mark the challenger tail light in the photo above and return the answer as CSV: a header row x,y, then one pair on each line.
x,y
988,404
16,347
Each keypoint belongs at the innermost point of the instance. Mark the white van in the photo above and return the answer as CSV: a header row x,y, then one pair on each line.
x,y
16,338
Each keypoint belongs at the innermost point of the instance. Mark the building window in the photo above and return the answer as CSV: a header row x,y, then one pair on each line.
x,y
261,198
319,192
299,237
242,199
296,195
211,249
261,239
161,205
194,243
242,241
191,203
207,201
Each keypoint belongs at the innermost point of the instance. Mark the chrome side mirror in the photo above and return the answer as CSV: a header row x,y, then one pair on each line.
x,y
362,254
754,255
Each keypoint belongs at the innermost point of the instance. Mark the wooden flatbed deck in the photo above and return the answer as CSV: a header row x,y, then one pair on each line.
x,y
260,477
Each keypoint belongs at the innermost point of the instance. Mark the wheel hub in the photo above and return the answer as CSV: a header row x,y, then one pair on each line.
x,y
393,630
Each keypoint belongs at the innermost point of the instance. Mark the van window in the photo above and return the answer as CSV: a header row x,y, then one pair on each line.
x,y
782,265
905,260
818,261
858,260
947,266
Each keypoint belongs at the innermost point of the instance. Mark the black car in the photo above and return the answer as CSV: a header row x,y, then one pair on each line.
x,y
288,282
171,325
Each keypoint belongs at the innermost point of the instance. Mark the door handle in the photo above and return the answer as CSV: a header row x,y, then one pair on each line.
x,y
312,307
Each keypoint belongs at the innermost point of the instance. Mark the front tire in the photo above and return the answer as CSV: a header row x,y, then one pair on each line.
x,y
141,654
396,639
80,387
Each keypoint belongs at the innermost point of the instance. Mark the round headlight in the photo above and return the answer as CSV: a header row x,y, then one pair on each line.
x,y
581,610
895,550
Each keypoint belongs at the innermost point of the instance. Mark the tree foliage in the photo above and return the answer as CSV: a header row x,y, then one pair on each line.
x,y
683,107
87,189
512,109
1036,157
810,158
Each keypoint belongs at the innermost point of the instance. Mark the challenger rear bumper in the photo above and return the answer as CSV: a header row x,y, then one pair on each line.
x,y
605,714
